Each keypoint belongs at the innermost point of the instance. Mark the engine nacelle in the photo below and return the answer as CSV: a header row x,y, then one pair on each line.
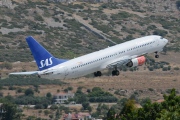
x,y
136,62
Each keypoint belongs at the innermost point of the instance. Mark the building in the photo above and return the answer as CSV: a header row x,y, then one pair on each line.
x,y
62,97
79,116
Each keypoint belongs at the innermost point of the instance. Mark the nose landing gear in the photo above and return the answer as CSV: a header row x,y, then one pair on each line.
x,y
156,56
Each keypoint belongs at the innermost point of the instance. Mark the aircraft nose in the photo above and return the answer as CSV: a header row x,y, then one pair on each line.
x,y
166,41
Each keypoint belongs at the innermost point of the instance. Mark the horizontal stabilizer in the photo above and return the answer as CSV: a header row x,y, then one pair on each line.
x,y
25,73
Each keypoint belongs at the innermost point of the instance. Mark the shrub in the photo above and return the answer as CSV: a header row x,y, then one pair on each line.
x,y
165,69
120,15
160,32
150,89
30,80
178,4
1,87
1,94
85,18
151,68
53,107
11,88
38,18
46,112
6,65
88,90
38,106
176,68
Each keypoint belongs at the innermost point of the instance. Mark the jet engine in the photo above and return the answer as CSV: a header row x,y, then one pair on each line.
x,y
136,62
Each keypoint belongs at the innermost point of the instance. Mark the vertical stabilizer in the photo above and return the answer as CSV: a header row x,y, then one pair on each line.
x,y
43,58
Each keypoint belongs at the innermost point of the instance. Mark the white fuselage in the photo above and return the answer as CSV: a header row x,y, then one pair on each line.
x,y
99,60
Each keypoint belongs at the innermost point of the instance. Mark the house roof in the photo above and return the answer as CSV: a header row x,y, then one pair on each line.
x,y
76,116
63,93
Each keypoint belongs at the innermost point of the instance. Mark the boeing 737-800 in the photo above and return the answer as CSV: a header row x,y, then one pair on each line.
x,y
128,53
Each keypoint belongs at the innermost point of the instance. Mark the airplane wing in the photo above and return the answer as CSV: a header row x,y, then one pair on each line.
x,y
122,61
25,73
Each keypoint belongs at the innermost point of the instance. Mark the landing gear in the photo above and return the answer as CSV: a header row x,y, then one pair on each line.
x,y
156,56
97,74
115,73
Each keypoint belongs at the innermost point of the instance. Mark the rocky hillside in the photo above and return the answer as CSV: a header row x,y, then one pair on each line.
x,y
64,28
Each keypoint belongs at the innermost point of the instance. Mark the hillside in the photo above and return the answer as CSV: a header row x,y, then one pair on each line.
x,y
73,29
60,26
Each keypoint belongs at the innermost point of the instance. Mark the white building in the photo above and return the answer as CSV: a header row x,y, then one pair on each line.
x,y
62,97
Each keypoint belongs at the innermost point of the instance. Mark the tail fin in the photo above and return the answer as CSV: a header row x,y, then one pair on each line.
x,y
43,58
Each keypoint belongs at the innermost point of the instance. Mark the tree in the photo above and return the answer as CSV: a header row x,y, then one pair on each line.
x,y
80,97
144,101
128,110
58,90
85,105
54,107
58,114
48,95
89,108
70,88
111,115
9,111
29,92
88,90
19,90
66,90
51,116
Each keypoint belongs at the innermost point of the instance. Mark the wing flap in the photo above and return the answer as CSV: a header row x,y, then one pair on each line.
x,y
25,73
122,61
119,62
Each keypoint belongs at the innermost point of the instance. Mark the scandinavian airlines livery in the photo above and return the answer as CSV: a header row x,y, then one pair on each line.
x,y
129,53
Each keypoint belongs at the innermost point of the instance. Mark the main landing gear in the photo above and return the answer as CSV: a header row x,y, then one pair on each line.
x,y
156,56
97,74
115,72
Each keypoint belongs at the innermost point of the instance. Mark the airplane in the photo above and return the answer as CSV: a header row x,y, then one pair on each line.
x,y
130,54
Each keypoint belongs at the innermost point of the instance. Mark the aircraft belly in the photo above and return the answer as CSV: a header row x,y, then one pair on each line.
x,y
86,70
53,76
